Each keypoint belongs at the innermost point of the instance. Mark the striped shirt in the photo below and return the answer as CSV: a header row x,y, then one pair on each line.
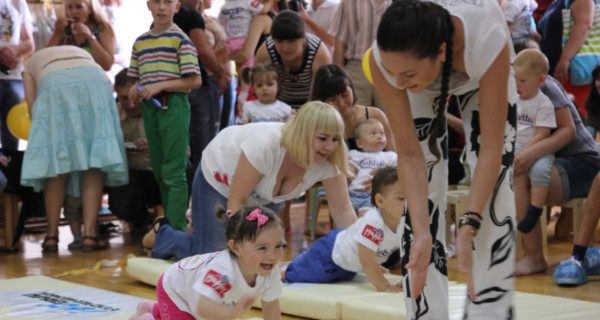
x,y
160,57
295,86
355,23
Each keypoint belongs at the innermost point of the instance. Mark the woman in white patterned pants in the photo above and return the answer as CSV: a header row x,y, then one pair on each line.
x,y
459,48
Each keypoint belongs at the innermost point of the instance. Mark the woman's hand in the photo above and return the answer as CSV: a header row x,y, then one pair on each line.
x,y
81,32
61,24
561,72
420,257
464,252
524,159
8,57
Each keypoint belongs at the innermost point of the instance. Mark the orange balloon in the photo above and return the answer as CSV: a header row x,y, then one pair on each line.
x,y
18,121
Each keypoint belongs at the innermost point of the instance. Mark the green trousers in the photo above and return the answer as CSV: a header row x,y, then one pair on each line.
x,y
168,137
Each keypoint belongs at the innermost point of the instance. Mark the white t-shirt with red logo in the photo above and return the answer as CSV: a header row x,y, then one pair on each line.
x,y
215,276
369,230
261,143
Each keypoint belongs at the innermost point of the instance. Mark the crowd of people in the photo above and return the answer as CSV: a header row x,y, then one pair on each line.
x,y
320,100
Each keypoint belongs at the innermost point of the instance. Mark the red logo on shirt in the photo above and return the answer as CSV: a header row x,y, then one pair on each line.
x,y
373,234
255,4
224,179
219,283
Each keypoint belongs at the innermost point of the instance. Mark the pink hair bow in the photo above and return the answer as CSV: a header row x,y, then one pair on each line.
x,y
257,215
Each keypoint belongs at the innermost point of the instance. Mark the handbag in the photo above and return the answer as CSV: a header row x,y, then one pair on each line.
x,y
588,56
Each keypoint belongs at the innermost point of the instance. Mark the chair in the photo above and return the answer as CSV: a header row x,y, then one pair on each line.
x,y
10,212
314,197
574,206
456,199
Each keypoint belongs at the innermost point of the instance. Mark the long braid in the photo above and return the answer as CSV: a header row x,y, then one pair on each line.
x,y
438,124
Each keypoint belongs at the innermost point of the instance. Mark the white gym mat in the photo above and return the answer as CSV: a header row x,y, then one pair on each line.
x,y
41,297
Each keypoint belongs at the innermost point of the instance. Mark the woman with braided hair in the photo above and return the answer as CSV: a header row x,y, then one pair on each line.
x,y
459,48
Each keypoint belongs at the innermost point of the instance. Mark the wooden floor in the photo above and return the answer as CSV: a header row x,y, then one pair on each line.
x,y
75,266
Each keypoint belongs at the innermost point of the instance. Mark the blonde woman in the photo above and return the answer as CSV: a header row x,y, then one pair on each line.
x,y
264,164
85,25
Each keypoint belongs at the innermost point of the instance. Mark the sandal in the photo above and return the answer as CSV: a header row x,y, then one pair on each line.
x,y
77,243
150,237
98,244
50,247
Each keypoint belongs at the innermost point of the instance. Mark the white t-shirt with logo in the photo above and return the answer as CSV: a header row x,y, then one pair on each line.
x,y
261,143
13,15
256,111
519,13
369,230
215,276
535,112
367,161
236,15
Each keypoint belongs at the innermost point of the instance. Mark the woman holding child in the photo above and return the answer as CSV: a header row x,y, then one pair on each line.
x,y
261,163
296,55
576,163
333,85
462,49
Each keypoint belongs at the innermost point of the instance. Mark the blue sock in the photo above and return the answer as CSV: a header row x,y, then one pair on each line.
x,y
527,224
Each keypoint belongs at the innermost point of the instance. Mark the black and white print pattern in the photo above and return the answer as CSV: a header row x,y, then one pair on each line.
x,y
494,247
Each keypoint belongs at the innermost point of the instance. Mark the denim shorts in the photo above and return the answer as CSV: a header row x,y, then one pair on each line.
x,y
360,200
577,176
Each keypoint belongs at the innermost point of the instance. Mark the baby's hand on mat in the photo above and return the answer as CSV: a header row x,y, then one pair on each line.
x,y
394,287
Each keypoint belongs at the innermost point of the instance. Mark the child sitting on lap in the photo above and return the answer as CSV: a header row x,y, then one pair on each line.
x,y
267,108
370,138
535,119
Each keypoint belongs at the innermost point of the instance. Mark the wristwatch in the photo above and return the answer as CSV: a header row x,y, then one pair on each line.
x,y
464,219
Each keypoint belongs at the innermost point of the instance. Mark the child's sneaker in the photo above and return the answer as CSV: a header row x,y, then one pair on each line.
x,y
591,262
570,273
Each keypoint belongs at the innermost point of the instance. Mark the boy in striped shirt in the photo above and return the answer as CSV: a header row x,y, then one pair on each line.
x,y
165,62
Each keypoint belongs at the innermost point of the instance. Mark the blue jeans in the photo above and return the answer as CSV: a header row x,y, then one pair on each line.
x,y
202,121
209,233
316,264
227,105
11,93
577,176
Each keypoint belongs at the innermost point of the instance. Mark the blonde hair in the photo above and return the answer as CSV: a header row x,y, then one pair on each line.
x,y
98,15
532,59
297,135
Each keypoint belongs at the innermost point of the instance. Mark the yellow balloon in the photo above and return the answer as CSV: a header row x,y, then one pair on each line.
x,y
18,121
367,66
